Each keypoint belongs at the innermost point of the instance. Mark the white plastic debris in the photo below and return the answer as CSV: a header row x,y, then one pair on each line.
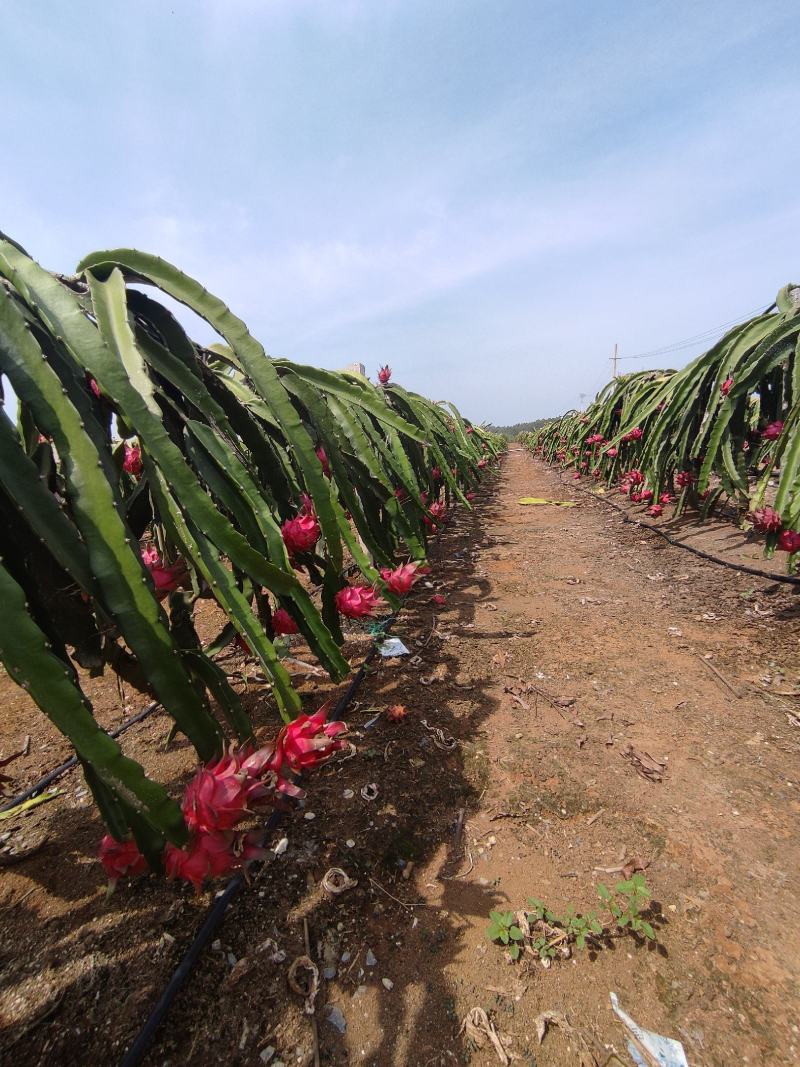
x,y
281,846
370,960
392,646
648,1049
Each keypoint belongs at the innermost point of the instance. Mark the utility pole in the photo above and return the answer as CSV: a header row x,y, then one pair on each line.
x,y
614,360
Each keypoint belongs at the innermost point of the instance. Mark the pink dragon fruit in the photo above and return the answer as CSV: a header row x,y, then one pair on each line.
x,y
438,513
301,533
120,858
132,464
167,579
633,435
219,795
765,520
150,556
308,741
726,386
357,601
323,459
655,510
209,855
789,541
772,431
283,623
400,580
384,374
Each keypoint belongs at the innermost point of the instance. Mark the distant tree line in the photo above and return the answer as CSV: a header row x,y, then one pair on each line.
x,y
519,427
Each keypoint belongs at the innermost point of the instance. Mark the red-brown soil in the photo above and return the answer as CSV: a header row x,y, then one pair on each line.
x,y
565,605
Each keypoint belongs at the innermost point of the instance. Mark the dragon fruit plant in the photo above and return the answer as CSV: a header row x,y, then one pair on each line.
x,y
238,478
725,427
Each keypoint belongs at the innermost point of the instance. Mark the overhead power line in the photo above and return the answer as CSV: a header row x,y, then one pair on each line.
x,y
697,339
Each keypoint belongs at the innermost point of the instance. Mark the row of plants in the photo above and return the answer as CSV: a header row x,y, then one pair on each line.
x,y
142,472
725,429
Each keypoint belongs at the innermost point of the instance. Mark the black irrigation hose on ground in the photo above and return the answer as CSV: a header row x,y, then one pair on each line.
x,y
222,902
786,579
56,773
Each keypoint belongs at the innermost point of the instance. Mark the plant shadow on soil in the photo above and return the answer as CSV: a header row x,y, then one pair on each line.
x,y
81,973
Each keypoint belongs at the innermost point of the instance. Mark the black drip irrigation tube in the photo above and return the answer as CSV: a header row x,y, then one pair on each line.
x,y
57,772
222,902
786,579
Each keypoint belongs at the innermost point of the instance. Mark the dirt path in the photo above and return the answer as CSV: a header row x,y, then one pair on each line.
x,y
568,604
586,608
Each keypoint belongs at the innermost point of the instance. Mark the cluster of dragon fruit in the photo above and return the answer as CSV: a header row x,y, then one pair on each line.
x,y
225,793
632,483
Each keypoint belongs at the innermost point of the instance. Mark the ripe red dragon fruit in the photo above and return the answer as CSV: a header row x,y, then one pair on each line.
x,y
612,452
655,510
301,533
482,463
684,478
120,858
94,387
150,556
400,580
132,464
636,498
772,431
647,495
789,541
635,477
765,520
308,741
209,855
470,496
219,795
666,498
633,435
322,456
595,439
283,623
167,579
438,513
726,386
436,474
357,601
384,374
576,476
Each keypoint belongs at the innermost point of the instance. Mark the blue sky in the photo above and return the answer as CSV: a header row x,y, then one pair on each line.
x,y
486,195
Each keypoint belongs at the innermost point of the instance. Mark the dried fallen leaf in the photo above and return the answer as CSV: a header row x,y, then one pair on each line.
x,y
476,1026
644,764
586,1057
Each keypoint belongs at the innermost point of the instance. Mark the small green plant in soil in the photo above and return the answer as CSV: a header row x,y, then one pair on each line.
x,y
504,929
546,933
